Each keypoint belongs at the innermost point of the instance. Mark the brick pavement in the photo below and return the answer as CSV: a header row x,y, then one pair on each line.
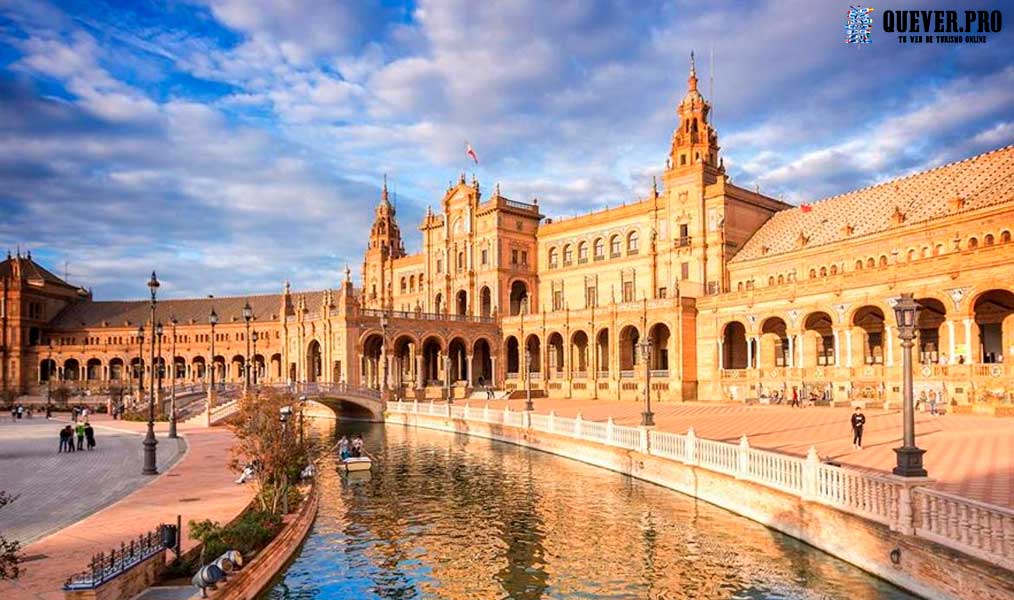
x,y
198,486
972,456
57,489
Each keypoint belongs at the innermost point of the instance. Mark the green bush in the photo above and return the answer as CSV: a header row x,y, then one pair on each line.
x,y
247,534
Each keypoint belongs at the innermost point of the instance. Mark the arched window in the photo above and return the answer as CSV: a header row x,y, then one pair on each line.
x,y
859,265
911,254
582,252
411,283
973,243
1005,237
813,273
553,256
461,261
988,240
404,285
614,246
871,263
739,286
632,242
834,269
823,271
600,249
883,260
568,255
781,279
771,280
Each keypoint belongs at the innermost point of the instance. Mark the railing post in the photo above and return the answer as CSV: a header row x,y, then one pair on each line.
x,y
691,447
644,440
550,422
744,458
609,430
810,466
577,426
526,418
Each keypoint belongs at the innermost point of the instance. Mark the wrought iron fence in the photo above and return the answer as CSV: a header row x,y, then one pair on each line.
x,y
107,565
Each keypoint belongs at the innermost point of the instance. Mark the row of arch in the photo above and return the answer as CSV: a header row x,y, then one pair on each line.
x,y
264,368
988,337
584,353
631,240
427,361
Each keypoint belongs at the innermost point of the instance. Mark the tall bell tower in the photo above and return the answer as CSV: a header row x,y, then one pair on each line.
x,y
694,148
384,247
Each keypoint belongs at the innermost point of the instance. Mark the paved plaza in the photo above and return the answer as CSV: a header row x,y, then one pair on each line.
x,y
971,456
57,489
199,485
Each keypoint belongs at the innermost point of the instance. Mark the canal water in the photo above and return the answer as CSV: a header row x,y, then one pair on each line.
x,y
449,516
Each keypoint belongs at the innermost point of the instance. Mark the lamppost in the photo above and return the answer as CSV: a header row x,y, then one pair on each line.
x,y
647,417
253,339
906,311
140,365
302,408
49,380
247,315
447,376
212,320
528,382
172,381
160,363
150,442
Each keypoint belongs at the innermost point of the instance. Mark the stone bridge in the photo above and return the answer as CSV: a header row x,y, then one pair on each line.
x,y
349,401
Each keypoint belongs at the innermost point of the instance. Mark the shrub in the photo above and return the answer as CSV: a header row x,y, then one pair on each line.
x,y
247,534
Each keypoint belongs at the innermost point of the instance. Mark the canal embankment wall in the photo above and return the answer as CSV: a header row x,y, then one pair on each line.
x,y
918,565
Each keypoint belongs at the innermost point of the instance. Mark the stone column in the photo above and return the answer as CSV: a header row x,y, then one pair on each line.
x,y
792,351
950,342
889,354
848,348
471,370
837,348
970,357
493,373
802,350
721,354
749,353
420,377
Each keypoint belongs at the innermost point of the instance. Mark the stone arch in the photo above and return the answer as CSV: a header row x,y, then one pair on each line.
x,y
533,348
402,350
461,303
973,243
276,367
579,352
198,368
633,241
554,350
314,366
629,337
568,254
237,364
870,320
774,343
615,245
485,301
115,368
582,252
371,367
512,351
1005,236
518,296
482,361
931,317
818,329
432,351
734,346
659,335
93,369
438,303
599,249
457,355
71,370
993,312
602,350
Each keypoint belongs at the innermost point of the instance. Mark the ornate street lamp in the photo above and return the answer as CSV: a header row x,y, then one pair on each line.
x,y
140,365
647,417
49,380
150,467
906,311
247,315
172,381
213,320
528,382
253,339
160,363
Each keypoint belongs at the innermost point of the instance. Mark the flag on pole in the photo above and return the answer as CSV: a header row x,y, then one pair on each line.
x,y
470,152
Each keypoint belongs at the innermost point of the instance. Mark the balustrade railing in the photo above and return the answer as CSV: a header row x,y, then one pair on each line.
x,y
107,565
976,528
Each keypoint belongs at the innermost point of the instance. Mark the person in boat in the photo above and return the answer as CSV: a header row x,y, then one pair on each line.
x,y
357,446
343,448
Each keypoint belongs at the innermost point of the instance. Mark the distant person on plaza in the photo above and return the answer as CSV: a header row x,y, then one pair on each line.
x,y
64,438
79,430
14,413
858,421
89,435
49,412
795,398
933,403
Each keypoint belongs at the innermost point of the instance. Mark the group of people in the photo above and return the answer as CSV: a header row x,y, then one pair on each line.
x,y
18,411
83,431
350,448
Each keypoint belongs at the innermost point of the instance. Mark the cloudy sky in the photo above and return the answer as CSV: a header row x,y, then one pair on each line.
x,y
233,144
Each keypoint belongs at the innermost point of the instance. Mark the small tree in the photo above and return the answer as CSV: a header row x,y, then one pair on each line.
x,y
276,446
9,557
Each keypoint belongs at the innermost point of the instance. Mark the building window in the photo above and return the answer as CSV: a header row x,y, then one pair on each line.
x,y
568,255
582,252
404,285
684,239
485,257
632,242
600,249
614,246
440,269
628,291
685,271
553,255
557,299
514,257
461,261
591,299
662,292
524,257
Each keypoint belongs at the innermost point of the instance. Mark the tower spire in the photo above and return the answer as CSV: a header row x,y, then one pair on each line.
x,y
692,80
383,193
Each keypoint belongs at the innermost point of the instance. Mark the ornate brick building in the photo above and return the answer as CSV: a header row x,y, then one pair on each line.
x,y
740,294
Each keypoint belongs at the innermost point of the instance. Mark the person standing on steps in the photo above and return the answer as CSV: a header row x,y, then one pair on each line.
x,y
858,421
89,432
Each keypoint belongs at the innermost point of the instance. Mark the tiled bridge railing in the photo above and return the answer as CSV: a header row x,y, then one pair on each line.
x,y
976,528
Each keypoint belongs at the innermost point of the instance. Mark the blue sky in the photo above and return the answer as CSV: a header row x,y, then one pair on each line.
x,y
233,144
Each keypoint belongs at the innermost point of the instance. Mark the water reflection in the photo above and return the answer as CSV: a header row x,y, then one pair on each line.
x,y
447,516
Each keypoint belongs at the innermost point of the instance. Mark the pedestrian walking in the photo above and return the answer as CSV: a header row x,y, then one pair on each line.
x,y
64,439
858,421
795,398
89,435
79,430
933,403
14,413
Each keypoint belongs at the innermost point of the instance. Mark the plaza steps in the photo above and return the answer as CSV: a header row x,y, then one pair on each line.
x,y
520,395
